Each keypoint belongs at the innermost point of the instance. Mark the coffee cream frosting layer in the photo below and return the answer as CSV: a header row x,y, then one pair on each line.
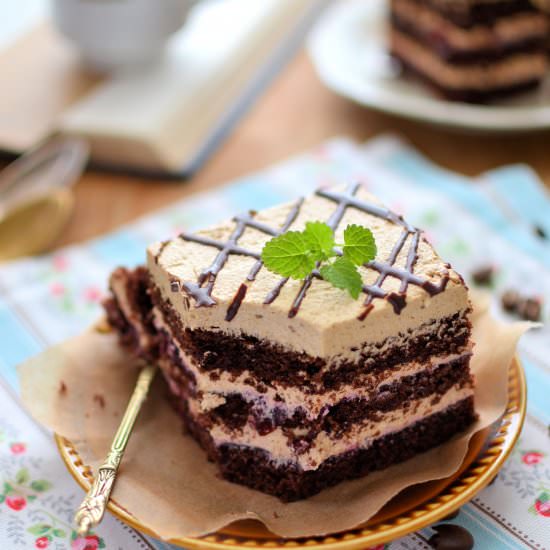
x,y
324,446
514,29
289,398
327,323
513,69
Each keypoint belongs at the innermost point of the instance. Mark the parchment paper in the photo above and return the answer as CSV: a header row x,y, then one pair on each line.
x,y
80,388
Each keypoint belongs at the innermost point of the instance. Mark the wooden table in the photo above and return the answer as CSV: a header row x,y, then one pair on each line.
x,y
294,114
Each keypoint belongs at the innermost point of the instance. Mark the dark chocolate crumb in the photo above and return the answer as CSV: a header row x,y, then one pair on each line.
x,y
62,388
510,300
452,515
483,276
529,309
451,537
540,232
100,400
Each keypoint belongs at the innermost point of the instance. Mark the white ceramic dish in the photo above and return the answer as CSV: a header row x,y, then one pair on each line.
x,y
348,49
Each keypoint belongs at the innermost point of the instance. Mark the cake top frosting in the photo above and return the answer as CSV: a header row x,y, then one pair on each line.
x,y
218,271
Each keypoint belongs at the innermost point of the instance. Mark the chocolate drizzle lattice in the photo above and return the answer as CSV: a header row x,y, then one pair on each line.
x,y
201,289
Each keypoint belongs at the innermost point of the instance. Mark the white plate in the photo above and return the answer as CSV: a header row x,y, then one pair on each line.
x,y
348,49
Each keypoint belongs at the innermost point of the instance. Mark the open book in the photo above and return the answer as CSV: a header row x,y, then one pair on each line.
x,y
165,119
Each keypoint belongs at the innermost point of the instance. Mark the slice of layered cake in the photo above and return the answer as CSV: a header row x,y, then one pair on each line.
x,y
293,385
471,50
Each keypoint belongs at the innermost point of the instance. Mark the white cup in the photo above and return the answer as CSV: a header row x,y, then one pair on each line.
x,y
112,34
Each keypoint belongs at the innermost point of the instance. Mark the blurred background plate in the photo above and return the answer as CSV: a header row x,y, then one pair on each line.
x,y
348,49
417,507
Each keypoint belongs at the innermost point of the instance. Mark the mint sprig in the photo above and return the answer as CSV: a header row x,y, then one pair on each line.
x,y
343,274
296,254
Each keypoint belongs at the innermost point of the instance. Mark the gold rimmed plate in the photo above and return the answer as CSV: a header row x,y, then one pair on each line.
x,y
414,508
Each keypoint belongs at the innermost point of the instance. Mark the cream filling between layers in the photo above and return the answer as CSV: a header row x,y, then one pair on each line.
x,y
506,30
514,69
288,398
360,436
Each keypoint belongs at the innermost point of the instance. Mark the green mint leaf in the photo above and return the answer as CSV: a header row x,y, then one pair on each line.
x,y
343,274
288,255
320,239
59,533
359,245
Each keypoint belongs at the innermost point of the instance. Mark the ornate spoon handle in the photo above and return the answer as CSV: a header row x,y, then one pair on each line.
x,y
92,509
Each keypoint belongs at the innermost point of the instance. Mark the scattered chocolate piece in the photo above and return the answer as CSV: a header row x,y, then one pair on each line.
x,y
100,400
62,388
453,515
510,300
451,537
540,232
529,309
483,275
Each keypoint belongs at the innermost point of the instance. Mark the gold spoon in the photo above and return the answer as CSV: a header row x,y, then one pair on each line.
x,y
36,199
93,507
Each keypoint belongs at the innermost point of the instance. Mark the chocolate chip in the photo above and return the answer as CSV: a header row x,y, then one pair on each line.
x,y
386,400
540,232
529,309
62,388
510,300
483,275
451,537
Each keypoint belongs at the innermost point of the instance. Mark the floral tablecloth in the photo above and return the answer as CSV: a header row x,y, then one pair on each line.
x,y
48,299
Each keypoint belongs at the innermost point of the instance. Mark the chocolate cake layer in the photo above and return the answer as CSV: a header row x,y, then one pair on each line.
x,y
254,468
133,319
439,43
216,351
466,13
237,411
467,95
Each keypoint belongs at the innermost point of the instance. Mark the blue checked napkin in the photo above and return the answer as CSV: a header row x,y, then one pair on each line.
x,y
491,220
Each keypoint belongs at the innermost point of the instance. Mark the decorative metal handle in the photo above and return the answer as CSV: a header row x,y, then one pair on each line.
x,y
91,511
